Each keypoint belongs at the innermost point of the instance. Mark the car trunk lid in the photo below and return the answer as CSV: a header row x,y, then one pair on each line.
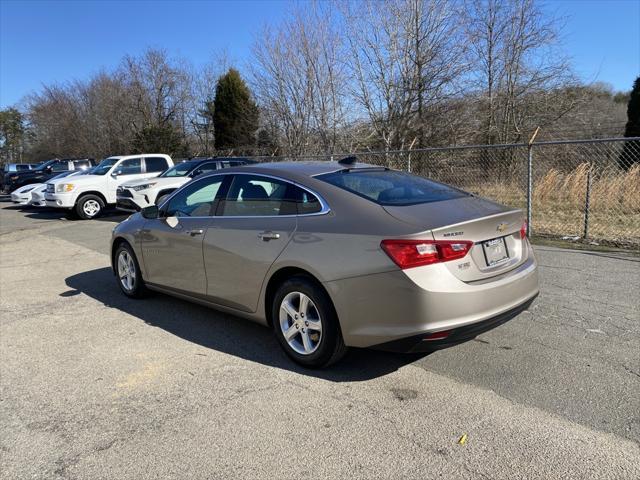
x,y
494,229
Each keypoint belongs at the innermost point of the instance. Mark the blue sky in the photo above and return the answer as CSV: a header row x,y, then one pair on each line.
x,y
56,41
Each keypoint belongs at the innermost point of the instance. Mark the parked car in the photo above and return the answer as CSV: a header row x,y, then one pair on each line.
x,y
11,168
89,195
334,254
45,172
24,195
133,196
33,194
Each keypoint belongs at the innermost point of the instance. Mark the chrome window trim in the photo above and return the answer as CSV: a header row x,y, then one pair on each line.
x,y
324,206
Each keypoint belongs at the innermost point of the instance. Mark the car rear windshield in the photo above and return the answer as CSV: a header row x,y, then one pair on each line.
x,y
390,187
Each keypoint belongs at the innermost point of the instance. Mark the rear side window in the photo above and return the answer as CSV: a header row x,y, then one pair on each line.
x,y
306,202
389,187
156,164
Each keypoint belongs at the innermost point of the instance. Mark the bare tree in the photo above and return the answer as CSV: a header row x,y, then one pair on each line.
x,y
518,71
299,82
160,90
404,60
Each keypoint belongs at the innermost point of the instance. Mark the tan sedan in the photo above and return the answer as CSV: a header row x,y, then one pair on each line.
x,y
334,254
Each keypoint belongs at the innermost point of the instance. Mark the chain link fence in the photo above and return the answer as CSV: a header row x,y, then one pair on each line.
x,y
581,191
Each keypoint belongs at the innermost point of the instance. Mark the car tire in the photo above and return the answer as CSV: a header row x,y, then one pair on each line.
x,y
128,272
89,206
310,312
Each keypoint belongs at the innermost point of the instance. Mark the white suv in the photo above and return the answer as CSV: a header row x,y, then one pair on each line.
x,y
136,195
88,195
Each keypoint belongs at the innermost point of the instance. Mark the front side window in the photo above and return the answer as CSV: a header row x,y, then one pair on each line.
x,y
390,187
130,167
60,166
155,164
44,166
104,166
251,196
196,199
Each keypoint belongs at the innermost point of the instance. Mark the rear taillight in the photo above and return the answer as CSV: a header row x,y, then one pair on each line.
x,y
523,230
414,253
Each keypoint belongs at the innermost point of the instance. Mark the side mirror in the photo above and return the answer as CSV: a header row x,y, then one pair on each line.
x,y
150,212
49,169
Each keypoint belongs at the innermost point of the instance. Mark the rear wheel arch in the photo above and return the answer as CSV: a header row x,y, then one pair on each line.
x,y
280,276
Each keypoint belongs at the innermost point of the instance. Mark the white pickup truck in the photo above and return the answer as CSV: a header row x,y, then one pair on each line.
x,y
88,195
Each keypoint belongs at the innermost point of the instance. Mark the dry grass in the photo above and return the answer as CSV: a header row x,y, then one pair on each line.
x,y
610,190
559,203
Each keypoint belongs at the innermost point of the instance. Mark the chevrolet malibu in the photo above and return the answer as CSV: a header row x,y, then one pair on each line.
x,y
332,255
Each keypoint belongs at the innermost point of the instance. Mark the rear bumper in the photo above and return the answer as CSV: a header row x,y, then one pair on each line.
x,y
419,344
392,306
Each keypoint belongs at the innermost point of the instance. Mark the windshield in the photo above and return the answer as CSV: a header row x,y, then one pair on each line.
x,y
180,170
44,165
104,166
389,187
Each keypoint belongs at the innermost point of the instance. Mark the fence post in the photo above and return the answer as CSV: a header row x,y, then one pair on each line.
x,y
530,180
587,199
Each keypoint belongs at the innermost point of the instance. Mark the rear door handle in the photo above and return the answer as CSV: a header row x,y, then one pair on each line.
x,y
266,236
195,232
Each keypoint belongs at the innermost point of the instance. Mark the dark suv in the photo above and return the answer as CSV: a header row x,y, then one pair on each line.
x,y
44,172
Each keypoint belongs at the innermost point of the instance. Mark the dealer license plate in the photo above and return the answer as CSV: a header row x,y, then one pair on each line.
x,y
495,251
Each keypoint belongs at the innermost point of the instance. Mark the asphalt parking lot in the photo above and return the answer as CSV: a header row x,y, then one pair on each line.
x,y
94,385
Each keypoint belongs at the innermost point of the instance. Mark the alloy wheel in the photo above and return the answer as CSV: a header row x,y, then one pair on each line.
x,y
126,270
300,323
91,208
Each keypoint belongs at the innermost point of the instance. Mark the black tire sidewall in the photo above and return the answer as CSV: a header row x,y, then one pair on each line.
x,y
331,335
80,206
138,284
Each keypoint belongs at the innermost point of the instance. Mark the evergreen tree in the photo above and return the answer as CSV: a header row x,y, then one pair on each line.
x,y
235,114
631,152
11,135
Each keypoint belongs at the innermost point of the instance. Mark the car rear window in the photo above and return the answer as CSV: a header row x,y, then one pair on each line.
x,y
390,187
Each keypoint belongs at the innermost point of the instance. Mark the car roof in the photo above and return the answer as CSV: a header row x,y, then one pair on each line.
x,y
302,169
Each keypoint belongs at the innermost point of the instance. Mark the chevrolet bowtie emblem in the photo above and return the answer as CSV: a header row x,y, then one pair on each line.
x,y
502,227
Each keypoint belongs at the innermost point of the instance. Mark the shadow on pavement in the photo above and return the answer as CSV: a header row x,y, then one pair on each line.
x,y
45,213
227,333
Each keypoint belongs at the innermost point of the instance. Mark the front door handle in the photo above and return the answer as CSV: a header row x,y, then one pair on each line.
x,y
195,232
266,236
